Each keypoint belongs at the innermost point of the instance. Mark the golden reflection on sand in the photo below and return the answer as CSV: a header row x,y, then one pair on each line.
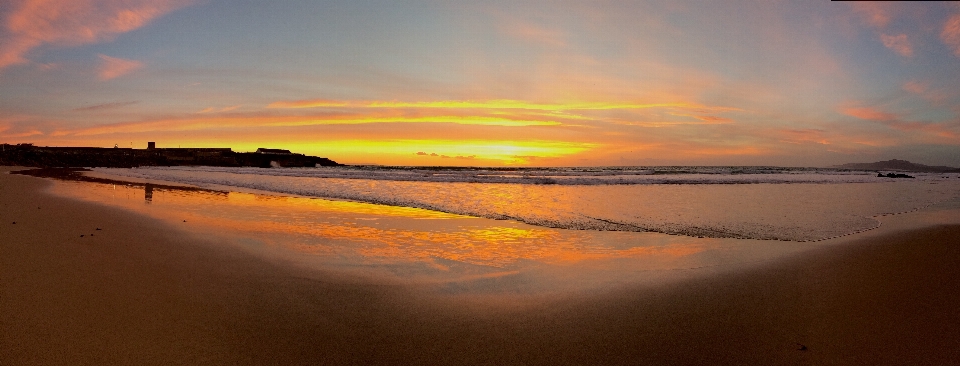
x,y
351,234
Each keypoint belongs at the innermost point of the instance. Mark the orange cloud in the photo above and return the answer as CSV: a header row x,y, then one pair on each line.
x,y
868,113
99,107
915,87
940,130
113,67
224,109
705,119
923,90
794,136
951,34
899,44
33,23
493,104
308,103
238,121
875,13
948,131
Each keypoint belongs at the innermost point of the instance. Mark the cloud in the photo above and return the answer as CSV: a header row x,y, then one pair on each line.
x,y
915,87
103,106
951,34
34,23
879,16
534,33
798,136
113,67
224,109
867,113
492,104
461,157
949,131
899,44
308,103
923,90
874,13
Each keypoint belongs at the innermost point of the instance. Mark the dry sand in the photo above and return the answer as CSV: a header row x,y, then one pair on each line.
x,y
140,292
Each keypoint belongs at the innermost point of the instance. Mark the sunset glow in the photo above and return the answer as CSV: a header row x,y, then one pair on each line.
x,y
460,83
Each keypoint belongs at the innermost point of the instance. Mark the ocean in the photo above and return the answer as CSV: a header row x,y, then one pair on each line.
x,y
767,203
516,230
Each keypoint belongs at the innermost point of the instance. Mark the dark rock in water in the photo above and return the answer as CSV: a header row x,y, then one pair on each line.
x,y
901,165
895,175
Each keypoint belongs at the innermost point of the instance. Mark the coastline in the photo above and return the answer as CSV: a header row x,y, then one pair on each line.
x,y
141,291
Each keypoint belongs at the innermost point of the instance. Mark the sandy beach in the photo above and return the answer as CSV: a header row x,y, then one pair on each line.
x,y
82,283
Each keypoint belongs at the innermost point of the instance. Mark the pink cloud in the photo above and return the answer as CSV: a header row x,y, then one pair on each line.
x,y
868,113
923,90
876,14
33,23
899,44
113,67
915,87
797,136
951,34
949,132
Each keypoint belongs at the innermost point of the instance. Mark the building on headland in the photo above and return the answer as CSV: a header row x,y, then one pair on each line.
x,y
29,155
273,151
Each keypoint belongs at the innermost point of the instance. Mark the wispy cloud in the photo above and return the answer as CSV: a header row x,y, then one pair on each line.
x,y
113,67
867,113
224,109
945,132
34,23
493,104
103,106
923,90
951,34
875,13
898,43
534,33
879,15
241,121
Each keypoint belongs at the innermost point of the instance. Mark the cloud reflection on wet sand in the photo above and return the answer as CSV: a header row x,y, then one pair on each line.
x,y
417,245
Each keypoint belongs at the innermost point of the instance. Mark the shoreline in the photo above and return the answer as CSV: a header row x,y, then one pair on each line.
x,y
144,292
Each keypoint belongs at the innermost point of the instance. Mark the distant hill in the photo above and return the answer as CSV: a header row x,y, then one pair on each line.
x,y
898,165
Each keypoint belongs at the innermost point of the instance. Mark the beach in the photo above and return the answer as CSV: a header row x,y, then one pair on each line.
x,y
145,291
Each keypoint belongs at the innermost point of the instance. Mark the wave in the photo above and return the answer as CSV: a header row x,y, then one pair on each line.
x,y
734,202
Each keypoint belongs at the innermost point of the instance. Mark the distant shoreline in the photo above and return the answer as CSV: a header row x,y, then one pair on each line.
x,y
117,157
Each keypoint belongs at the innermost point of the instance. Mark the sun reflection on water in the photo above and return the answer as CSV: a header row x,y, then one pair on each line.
x,y
410,243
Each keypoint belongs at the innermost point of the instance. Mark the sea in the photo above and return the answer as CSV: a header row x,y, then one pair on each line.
x,y
528,231
767,203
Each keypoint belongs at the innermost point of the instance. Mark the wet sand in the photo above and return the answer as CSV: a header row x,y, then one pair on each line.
x,y
143,292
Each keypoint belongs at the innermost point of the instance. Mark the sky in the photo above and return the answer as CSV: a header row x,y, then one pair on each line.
x,y
490,83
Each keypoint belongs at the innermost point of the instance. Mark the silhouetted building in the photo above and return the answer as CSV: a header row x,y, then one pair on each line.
x,y
151,145
274,151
